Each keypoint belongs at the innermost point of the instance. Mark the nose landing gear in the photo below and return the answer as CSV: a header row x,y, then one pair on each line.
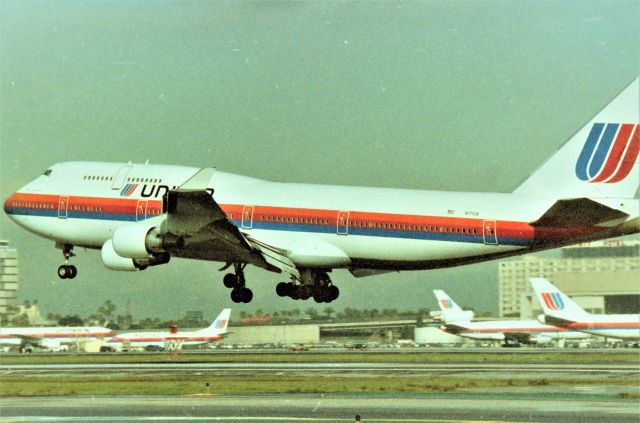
x,y
239,292
67,271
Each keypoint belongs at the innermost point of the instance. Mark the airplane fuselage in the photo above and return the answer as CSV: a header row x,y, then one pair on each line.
x,y
320,226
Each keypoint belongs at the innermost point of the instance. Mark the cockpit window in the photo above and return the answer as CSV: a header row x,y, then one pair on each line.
x,y
47,172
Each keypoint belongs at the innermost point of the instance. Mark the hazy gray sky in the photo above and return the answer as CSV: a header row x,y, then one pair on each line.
x,y
467,96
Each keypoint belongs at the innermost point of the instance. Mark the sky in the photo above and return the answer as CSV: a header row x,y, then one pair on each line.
x,y
458,96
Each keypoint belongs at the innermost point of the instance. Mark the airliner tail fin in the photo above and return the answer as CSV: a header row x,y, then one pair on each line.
x,y
450,311
600,160
220,324
555,304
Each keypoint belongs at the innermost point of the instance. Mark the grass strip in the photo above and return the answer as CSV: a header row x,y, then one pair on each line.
x,y
19,386
568,357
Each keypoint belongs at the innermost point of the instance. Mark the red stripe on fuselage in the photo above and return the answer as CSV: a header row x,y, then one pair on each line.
x,y
312,217
164,339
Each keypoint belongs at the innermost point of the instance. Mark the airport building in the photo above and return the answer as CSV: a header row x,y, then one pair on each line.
x,y
601,276
8,277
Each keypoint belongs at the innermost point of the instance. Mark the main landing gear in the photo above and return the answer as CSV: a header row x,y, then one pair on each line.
x,y
67,271
236,282
316,284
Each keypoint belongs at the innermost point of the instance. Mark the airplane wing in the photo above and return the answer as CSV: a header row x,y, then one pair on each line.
x,y
194,215
577,213
454,328
28,338
521,338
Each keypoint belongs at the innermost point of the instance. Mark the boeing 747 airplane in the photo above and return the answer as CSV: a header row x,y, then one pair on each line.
x,y
563,312
141,215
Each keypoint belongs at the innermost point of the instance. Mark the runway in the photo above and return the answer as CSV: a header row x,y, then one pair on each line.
x,y
408,408
469,369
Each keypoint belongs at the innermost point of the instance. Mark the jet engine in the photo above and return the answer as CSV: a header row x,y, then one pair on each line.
x,y
542,340
51,344
112,260
142,242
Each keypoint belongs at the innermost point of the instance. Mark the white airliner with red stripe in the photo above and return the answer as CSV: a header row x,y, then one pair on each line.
x,y
456,322
141,215
174,339
563,312
51,338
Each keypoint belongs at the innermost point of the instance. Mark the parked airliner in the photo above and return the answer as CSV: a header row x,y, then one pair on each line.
x,y
53,338
562,311
142,215
173,339
509,331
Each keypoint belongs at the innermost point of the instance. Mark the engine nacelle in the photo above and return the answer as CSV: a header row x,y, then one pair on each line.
x,y
51,344
142,242
113,261
542,340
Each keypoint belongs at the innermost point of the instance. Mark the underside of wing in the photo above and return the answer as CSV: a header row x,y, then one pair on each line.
x,y
522,338
194,216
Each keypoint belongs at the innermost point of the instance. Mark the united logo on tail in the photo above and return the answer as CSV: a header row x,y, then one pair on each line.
x,y
220,324
553,300
609,153
446,304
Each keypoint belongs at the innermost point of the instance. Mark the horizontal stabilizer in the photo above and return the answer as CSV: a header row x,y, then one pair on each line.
x,y
552,320
454,328
578,213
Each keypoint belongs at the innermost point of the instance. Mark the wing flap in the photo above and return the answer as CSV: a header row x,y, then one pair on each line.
x,y
194,215
275,256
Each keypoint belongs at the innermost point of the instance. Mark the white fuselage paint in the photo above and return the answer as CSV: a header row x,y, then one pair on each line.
x,y
432,228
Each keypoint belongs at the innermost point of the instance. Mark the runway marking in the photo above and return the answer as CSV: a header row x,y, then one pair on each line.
x,y
234,419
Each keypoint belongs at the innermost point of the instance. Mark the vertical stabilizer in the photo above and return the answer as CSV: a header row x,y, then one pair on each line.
x,y
445,302
600,160
555,303
219,325
451,312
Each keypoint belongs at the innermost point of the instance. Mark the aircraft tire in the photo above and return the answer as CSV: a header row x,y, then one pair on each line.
x,y
305,292
73,271
236,295
294,292
246,295
63,272
282,289
333,292
230,280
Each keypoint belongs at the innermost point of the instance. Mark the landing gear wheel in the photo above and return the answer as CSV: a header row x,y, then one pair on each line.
x,y
230,280
72,271
67,271
282,289
334,293
236,295
62,272
246,295
305,292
